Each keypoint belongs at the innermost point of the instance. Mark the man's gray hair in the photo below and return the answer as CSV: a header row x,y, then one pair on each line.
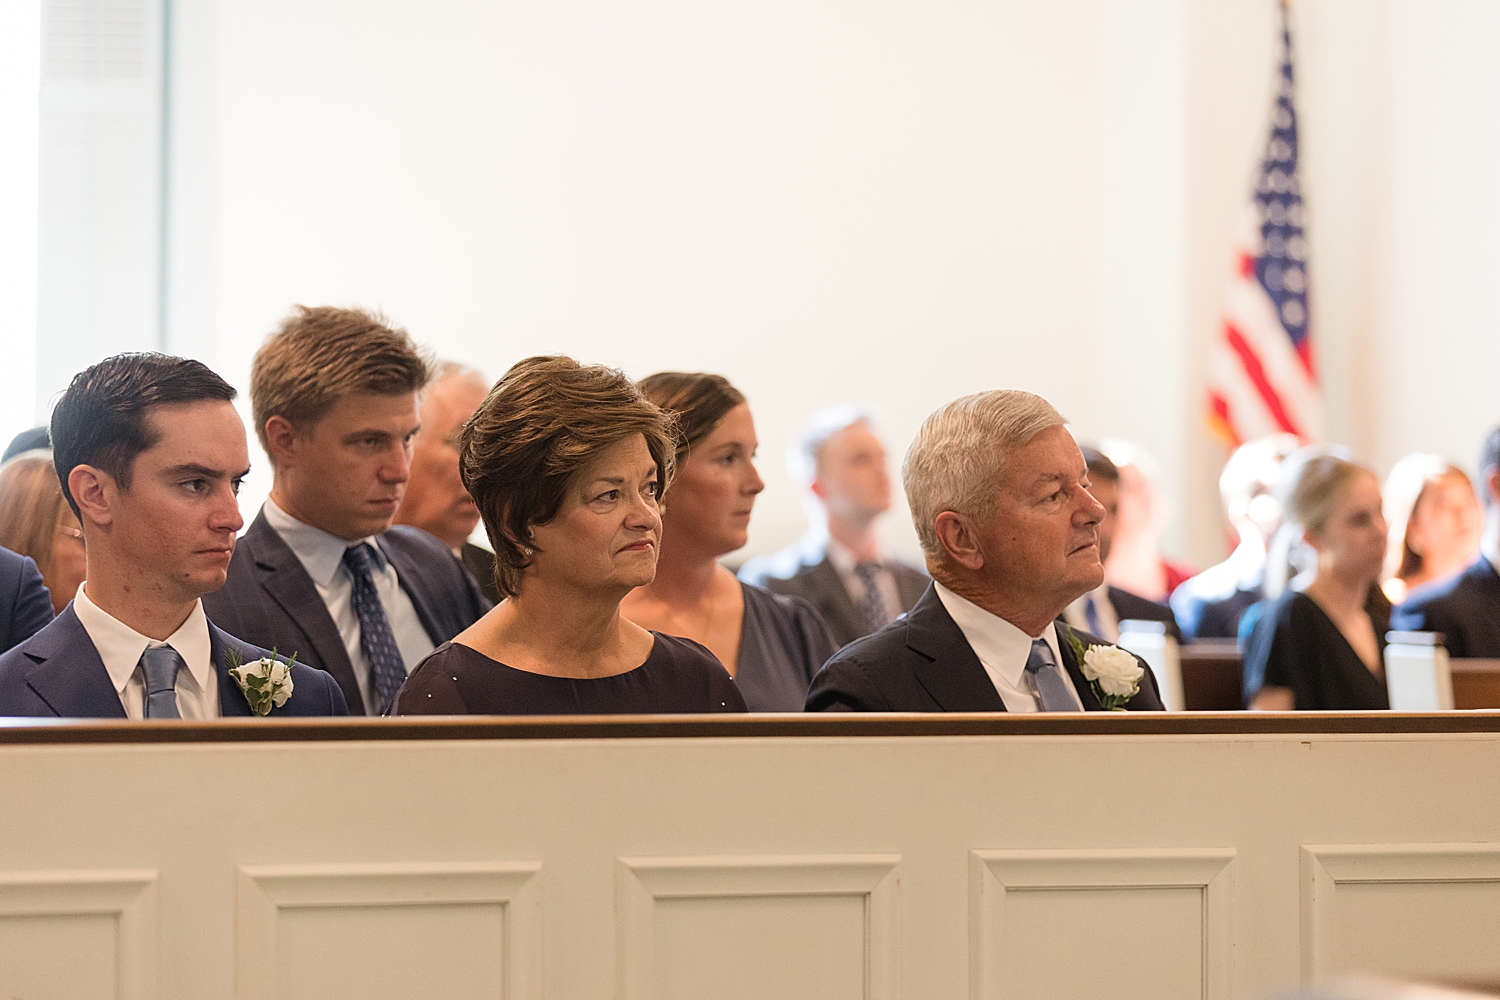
x,y
961,452
802,453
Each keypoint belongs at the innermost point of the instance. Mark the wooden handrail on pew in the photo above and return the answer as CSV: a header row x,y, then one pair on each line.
x,y
1211,679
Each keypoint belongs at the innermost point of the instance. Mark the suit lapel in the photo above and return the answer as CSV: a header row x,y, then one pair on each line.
x,y
834,603
415,582
950,671
281,575
69,675
1075,669
231,699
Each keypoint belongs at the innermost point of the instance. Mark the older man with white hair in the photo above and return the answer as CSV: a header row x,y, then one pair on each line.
x,y
998,491
839,566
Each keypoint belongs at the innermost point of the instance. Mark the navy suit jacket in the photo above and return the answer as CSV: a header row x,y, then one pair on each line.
x,y
58,672
269,599
923,663
24,599
1465,608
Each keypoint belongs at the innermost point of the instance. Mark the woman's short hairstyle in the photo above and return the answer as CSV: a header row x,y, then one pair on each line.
x,y
961,451
31,507
320,355
696,401
543,422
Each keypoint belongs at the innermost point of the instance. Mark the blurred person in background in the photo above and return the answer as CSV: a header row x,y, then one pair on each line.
x,y
839,566
435,498
771,644
1210,605
34,439
1434,521
1319,642
1136,563
567,463
1101,610
37,522
1466,607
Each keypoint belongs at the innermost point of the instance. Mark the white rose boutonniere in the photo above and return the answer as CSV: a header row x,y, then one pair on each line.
x,y
1114,674
266,682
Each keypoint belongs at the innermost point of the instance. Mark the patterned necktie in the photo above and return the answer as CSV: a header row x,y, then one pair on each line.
x,y
872,605
387,669
1052,691
1091,615
161,664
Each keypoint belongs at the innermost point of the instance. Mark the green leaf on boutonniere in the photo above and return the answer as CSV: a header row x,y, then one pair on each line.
x,y
266,683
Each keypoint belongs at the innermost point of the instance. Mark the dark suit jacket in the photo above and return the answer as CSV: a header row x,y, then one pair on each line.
x,y
480,562
1465,608
58,672
1128,605
815,579
923,663
270,600
24,600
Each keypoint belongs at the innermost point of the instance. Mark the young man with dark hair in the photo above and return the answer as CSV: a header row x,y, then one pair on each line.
x,y
321,571
150,454
1466,607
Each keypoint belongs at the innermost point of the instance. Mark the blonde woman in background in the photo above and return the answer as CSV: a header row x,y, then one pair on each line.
x,y
35,521
1434,521
1320,643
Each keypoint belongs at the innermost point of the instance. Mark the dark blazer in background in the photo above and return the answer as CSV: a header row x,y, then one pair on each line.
x,y
811,576
24,599
480,562
58,672
1128,605
1465,608
923,663
269,599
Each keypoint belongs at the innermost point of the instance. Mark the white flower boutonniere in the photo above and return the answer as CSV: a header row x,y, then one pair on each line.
x,y
1114,674
266,682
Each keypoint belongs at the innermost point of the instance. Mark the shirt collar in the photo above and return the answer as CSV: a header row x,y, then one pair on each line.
x,y
998,644
319,552
120,646
842,559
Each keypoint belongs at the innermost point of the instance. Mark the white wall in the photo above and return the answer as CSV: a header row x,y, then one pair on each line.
x,y
892,202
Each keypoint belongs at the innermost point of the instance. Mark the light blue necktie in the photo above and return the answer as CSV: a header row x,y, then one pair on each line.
x,y
1052,691
387,669
161,664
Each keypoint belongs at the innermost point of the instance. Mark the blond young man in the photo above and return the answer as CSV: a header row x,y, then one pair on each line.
x,y
321,571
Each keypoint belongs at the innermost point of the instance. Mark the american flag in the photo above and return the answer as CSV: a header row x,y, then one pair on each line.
x,y
1261,377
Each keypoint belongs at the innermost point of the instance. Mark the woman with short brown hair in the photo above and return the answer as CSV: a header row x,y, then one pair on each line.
x,y
566,463
771,643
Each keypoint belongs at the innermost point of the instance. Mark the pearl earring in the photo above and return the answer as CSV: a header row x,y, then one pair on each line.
x,y
528,551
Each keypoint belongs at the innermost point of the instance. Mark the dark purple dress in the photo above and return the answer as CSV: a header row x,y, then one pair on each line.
x,y
679,677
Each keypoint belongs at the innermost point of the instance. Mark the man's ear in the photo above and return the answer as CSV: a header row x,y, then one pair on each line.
x,y
959,540
1492,483
818,490
281,438
95,492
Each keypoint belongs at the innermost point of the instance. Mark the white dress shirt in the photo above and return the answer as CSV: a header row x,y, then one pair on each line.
x,y
843,562
1003,650
322,556
120,647
1076,614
